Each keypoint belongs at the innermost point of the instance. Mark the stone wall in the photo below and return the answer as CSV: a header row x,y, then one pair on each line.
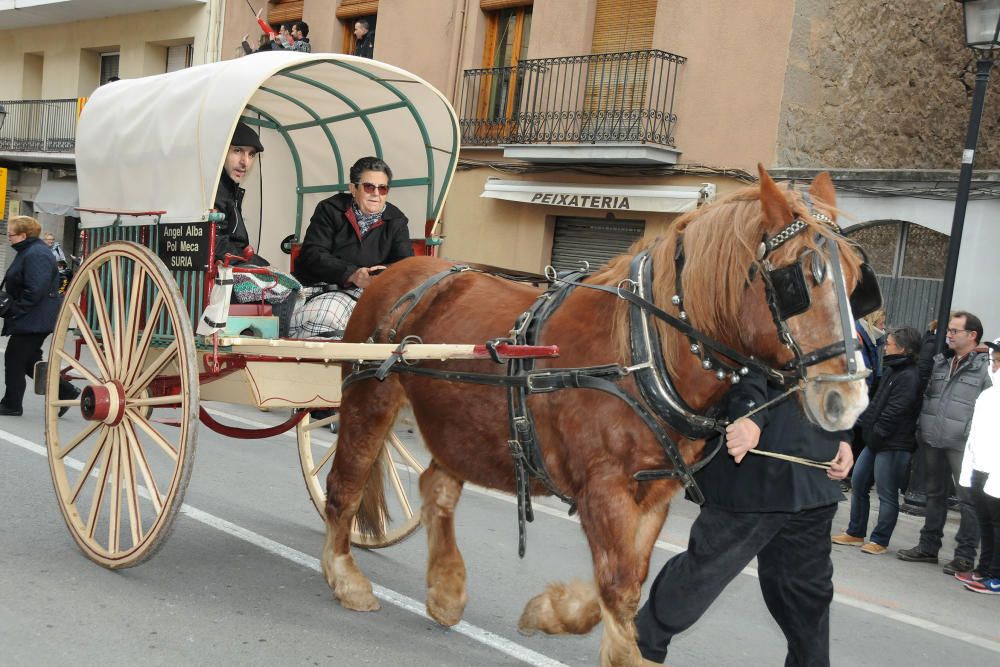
x,y
882,84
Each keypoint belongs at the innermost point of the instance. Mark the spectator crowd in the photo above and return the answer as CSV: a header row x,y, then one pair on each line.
x,y
939,410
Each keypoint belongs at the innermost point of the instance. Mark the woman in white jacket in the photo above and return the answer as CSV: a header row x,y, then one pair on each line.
x,y
981,472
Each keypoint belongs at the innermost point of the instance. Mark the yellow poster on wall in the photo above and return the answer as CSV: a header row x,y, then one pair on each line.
x,y
3,193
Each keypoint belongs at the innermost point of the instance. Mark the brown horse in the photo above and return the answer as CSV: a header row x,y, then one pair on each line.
x,y
592,443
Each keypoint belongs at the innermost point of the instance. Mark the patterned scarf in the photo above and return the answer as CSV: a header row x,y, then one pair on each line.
x,y
366,220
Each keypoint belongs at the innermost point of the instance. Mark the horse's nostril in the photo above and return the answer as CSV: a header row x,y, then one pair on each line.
x,y
834,405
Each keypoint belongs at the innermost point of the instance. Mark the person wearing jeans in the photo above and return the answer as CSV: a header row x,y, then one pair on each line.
x,y
888,428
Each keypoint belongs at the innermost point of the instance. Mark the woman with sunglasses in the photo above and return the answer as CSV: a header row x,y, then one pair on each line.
x,y
351,237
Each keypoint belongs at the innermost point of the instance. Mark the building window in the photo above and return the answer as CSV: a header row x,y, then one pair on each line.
x,y
179,57
109,67
507,34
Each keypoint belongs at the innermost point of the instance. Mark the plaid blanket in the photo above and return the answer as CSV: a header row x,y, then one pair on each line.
x,y
275,287
322,313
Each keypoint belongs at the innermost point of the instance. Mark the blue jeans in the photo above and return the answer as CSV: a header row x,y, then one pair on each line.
x,y
887,472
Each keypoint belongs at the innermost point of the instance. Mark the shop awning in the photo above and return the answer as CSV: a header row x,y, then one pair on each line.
x,y
657,198
58,197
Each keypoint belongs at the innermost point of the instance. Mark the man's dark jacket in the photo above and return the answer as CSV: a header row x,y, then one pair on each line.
x,y
333,249
231,234
366,45
890,421
33,284
765,484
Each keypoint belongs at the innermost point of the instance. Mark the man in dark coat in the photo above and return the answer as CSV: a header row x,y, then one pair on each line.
x,y
365,47
32,281
231,234
778,511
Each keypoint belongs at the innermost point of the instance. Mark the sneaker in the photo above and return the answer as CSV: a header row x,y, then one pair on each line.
x,y
957,565
847,540
987,586
873,548
969,577
916,555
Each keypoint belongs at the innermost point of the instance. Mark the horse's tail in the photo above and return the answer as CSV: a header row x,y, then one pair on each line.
x,y
373,513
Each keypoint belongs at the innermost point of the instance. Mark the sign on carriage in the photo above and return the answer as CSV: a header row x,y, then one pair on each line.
x,y
183,247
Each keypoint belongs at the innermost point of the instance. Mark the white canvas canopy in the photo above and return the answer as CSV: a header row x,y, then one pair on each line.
x,y
157,144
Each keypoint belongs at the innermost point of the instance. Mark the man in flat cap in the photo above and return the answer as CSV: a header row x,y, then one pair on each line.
x,y
231,234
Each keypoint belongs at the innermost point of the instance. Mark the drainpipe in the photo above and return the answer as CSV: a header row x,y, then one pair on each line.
x,y
213,40
457,48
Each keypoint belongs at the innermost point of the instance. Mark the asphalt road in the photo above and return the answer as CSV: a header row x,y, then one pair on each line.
x,y
238,582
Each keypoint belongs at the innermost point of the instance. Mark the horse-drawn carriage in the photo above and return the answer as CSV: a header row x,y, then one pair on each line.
x,y
757,282
149,157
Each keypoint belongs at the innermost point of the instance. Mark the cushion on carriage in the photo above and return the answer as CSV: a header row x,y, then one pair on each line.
x,y
250,309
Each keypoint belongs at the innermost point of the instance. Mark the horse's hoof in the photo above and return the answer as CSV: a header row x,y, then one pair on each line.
x,y
446,609
536,616
358,601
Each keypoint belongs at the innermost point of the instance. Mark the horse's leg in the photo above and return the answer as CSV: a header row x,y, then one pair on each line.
x,y
575,608
354,478
446,596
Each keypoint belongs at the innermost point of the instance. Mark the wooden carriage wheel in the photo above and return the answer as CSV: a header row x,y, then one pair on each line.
x,y
124,338
400,483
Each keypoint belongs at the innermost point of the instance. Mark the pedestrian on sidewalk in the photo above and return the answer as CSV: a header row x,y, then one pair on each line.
x,y
888,428
957,378
981,472
30,313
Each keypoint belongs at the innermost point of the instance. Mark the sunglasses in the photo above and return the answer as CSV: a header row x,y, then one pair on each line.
x,y
371,187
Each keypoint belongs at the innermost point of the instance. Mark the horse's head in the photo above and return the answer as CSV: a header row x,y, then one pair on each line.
x,y
770,275
806,273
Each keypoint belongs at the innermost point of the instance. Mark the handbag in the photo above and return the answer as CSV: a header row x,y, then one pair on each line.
x,y
6,300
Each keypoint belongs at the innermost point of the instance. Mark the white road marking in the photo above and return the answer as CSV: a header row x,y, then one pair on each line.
x,y
481,635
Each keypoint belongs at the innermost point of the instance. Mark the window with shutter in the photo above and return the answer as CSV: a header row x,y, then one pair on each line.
x,y
506,44
616,85
179,57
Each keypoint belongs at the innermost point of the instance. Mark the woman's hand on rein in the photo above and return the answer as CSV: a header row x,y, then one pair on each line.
x,y
363,276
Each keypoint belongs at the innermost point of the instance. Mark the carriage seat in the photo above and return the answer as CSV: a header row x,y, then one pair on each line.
x,y
254,319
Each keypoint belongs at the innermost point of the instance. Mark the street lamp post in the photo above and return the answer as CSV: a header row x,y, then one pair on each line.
x,y
982,35
982,29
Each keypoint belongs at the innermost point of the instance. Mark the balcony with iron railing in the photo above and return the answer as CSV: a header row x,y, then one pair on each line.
x,y
597,107
39,127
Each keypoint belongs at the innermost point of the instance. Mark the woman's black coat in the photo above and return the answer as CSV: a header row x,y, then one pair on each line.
x,y
33,283
333,249
890,421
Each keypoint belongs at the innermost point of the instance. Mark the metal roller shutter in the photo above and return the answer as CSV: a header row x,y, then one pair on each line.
x,y
592,240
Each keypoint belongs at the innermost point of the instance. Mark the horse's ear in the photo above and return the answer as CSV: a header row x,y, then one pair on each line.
x,y
821,189
777,213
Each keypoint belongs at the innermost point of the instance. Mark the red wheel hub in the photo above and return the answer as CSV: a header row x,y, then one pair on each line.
x,y
103,403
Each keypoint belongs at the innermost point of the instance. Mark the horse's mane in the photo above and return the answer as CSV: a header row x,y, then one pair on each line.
x,y
724,235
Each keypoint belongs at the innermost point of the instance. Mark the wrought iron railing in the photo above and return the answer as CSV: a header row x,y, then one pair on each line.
x,y
39,126
598,98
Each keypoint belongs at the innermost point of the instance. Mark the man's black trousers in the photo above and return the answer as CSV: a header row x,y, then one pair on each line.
x,y
794,569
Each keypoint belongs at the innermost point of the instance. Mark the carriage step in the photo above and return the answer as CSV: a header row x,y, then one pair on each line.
x,y
41,370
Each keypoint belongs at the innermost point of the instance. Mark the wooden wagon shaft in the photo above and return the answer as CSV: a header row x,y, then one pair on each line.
x,y
338,351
